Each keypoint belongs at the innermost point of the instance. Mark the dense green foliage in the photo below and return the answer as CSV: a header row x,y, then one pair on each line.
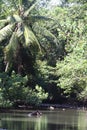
x,y
46,47
14,91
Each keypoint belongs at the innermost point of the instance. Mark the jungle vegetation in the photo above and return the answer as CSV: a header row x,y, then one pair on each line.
x,y
43,52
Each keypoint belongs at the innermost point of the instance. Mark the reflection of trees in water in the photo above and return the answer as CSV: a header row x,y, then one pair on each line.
x,y
61,127
60,120
38,123
32,123
82,120
13,125
45,122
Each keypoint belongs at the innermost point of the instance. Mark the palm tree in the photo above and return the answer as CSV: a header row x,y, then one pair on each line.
x,y
22,46
20,43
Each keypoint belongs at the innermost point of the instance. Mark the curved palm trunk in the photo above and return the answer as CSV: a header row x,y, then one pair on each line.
x,y
7,66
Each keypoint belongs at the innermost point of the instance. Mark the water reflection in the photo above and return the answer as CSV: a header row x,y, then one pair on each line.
x,y
50,120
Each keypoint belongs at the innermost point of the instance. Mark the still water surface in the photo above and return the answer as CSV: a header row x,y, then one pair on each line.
x,y
68,119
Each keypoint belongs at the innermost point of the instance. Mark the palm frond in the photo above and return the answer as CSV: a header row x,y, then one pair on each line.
x,y
56,25
29,10
42,18
37,18
6,32
49,36
3,21
32,2
31,40
11,49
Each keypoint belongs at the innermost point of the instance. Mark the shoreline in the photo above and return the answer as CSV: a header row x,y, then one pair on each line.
x,y
42,107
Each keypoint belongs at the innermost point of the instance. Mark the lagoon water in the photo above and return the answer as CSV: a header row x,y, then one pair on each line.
x,y
68,119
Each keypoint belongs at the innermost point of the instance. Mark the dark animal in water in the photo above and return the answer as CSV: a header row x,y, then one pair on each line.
x,y
36,113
